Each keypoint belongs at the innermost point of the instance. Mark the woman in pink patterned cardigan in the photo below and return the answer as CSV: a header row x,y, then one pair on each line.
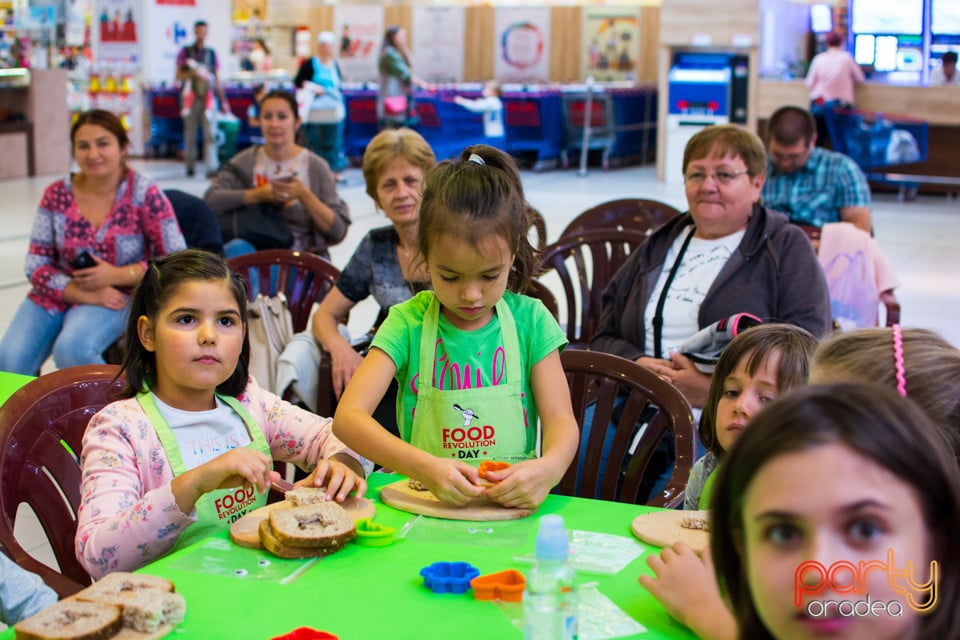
x,y
91,239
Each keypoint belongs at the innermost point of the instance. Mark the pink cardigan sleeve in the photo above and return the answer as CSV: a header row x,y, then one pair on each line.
x,y
294,434
128,515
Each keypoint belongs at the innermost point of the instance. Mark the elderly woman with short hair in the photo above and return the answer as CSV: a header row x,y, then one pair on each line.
x,y
728,255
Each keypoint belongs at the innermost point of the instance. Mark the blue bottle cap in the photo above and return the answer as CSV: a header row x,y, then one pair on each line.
x,y
552,543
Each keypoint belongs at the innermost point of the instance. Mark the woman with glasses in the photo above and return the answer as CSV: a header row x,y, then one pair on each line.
x,y
730,255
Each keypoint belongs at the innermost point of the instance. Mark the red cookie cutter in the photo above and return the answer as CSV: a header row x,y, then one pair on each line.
x,y
306,633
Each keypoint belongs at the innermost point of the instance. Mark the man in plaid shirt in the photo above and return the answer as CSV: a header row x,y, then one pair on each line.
x,y
810,184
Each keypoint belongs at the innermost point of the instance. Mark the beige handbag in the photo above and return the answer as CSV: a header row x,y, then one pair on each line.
x,y
270,326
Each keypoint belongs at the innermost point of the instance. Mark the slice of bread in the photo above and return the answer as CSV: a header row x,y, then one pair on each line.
x,y
696,520
126,582
325,526
174,607
302,496
72,620
146,601
142,611
269,542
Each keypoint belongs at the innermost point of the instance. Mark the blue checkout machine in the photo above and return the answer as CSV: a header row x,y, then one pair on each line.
x,y
705,88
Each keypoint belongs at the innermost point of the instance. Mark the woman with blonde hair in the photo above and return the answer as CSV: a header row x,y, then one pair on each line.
x,y
395,164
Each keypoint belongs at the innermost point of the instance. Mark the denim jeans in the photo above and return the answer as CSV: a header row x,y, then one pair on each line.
x,y
326,140
78,336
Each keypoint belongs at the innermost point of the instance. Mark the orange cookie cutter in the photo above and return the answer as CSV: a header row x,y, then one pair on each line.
x,y
504,585
491,465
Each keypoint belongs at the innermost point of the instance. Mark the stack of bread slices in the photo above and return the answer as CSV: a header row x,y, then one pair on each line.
x,y
310,527
120,600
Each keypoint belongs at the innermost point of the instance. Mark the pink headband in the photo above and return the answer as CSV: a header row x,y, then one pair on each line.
x,y
898,360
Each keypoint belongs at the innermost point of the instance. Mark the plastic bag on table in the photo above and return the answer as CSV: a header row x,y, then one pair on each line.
x,y
598,617
594,552
499,533
220,557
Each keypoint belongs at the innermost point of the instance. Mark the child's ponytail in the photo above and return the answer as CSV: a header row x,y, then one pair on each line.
x,y
477,196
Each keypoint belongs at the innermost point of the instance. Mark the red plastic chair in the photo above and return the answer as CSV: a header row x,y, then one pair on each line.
x,y
584,264
41,432
635,214
600,379
303,277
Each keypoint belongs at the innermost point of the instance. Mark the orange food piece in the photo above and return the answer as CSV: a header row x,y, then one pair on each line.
x,y
491,465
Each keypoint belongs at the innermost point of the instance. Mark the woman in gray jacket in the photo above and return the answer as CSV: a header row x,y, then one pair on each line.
x,y
730,255
283,178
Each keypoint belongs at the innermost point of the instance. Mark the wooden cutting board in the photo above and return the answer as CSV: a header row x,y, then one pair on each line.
x,y
400,496
662,528
245,531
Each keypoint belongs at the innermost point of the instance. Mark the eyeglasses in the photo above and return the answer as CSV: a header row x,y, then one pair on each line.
x,y
721,177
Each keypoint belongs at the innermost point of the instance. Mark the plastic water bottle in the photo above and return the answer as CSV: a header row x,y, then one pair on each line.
x,y
550,600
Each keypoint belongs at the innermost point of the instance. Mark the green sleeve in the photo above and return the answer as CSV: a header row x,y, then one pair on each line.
x,y
393,64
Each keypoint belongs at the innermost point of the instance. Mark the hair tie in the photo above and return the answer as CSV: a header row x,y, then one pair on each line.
x,y
898,360
475,158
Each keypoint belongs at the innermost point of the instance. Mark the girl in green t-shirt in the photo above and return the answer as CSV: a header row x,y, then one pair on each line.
x,y
471,386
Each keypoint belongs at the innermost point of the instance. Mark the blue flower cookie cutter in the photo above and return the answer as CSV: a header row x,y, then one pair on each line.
x,y
448,577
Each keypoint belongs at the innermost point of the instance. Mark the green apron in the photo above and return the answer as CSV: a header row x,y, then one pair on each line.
x,y
472,425
216,509
706,494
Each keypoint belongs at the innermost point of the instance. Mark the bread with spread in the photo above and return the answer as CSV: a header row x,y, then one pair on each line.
x,y
302,532
72,620
120,600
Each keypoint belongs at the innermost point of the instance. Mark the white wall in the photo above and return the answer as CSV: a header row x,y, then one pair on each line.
x,y
784,25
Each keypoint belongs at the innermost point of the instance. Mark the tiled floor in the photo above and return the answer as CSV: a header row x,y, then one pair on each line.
x,y
919,237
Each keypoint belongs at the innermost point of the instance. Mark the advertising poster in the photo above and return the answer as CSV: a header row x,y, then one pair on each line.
x,y
171,29
522,44
115,28
360,31
437,43
611,43
75,22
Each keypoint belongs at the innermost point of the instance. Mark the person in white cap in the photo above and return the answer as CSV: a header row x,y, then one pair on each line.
x,y
320,101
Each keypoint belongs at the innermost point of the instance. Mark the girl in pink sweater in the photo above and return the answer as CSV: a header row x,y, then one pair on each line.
x,y
191,448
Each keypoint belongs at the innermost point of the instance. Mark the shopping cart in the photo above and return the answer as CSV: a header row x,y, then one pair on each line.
x,y
876,141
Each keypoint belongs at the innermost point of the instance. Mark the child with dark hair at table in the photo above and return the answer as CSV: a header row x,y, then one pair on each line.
x,y
191,447
477,363
755,368
840,494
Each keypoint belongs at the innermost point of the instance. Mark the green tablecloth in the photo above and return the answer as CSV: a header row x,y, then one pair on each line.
x,y
10,382
366,593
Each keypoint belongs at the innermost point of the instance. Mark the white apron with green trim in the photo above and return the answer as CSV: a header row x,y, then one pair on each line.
x,y
217,509
471,425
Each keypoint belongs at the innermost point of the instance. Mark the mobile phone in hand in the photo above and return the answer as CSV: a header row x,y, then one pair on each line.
x,y
83,261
